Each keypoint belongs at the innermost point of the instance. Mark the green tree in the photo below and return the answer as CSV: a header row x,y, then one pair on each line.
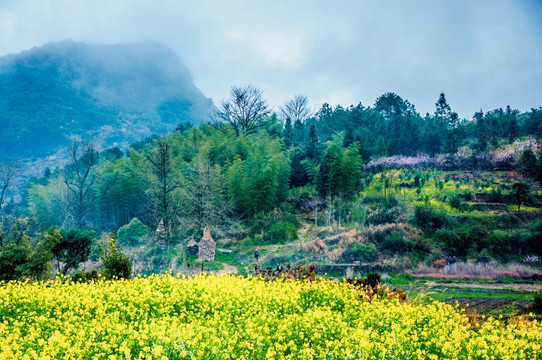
x,y
72,248
527,163
312,148
45,202
120,193
520,190
22,257
261,180
79,178
132,233
340,170
164,183
512,124
288,132
115,263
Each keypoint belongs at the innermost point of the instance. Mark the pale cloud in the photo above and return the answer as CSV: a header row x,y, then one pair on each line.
x,y
481,54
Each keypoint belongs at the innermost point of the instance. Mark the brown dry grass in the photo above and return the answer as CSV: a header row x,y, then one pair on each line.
x,y
470,271
375,233
335,254
316,246
345,238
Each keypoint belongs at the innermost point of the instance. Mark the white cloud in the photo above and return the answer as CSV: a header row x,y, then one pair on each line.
x,y
480,54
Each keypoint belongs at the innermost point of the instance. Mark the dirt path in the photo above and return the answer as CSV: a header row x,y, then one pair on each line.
x,y
297,243
228,269
301,233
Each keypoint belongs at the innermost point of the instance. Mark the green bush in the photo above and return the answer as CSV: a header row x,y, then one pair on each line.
x,y
85,276
72,248
395,243
429,219
360,252
132,233
280,233
537,302
23,258
455,201
115,264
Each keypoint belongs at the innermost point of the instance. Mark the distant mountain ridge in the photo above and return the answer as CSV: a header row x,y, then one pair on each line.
x,y
116,94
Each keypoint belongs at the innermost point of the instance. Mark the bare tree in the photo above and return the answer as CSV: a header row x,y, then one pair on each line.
x,y
204,198
246,110
297,109
79,177
8,171
160,159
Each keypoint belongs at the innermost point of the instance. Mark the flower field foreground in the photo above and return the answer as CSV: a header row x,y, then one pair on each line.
x,y
230,317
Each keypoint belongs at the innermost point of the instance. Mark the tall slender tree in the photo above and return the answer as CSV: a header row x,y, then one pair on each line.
x,y
8,171
164,183
79,178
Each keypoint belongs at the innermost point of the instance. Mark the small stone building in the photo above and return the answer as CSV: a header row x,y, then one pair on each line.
x,y
160,235
192,248
207,246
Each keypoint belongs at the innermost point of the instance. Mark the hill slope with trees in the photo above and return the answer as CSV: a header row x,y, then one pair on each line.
x,y
116,94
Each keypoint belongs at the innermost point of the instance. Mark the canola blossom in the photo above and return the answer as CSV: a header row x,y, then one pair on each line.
x,y
232,317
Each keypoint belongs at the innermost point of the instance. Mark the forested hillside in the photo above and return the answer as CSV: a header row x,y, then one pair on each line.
x,y
116,94
360,184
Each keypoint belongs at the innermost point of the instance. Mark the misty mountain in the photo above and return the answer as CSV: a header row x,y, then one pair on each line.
x,y
115,94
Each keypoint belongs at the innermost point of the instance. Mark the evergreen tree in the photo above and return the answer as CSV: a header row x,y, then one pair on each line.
x,y
527,163
443,111
512,124
339,170
288,132
298,176
453,134
348,138
313,145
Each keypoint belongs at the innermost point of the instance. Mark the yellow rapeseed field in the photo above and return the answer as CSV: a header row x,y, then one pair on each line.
x,y
232,317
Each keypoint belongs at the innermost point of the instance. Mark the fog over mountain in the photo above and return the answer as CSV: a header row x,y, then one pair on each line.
x,y
115,94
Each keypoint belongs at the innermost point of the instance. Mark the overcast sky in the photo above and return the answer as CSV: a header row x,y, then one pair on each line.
x,y
481,54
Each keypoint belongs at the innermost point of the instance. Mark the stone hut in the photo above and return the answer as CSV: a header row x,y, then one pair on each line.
x,y
192,248
160,235
207,246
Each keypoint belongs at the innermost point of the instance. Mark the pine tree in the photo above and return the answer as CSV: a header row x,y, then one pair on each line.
x,y
527,163
288,132
313,145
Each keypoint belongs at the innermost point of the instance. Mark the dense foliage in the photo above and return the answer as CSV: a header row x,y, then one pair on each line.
x,y
69,88
412,187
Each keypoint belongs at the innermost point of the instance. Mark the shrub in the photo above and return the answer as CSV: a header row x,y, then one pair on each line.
x,y
115,264
537,302
280,233
132,233
455,201
429,219
360,252
454,244
72,248
395,243
22,259
85,276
